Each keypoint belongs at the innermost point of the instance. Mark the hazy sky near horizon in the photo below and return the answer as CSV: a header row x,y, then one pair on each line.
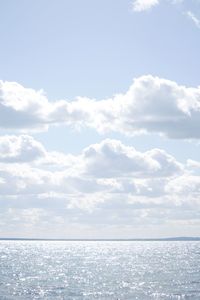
x,y
99,118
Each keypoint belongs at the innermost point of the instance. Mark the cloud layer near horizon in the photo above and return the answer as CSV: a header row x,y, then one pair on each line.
x,y
107,183
151,105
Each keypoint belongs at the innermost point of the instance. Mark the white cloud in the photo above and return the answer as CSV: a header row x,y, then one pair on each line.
x,y
108,159
194,18
109,166
20,149
145,5
22,108
185,185
151,105
193,164
155,105
108,180
111,158
142,5
35,199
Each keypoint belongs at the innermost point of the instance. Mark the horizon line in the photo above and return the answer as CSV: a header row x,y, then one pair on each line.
x,y
180,238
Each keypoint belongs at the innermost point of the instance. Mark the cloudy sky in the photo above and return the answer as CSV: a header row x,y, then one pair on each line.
x,y
99,118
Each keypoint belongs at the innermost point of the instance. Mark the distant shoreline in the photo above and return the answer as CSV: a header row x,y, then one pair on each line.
x,y
175,239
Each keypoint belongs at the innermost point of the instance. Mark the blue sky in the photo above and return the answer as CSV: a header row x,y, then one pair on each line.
x,y
76,56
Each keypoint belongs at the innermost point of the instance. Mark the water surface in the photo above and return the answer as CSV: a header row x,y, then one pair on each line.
x,y
99,270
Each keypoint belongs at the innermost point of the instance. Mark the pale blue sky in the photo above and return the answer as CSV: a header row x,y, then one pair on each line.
x,y
94,49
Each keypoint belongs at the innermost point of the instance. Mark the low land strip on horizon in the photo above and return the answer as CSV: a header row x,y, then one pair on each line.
x,y
102,240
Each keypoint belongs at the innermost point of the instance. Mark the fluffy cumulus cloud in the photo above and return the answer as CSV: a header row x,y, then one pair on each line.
x,y
106,185
113,159
151,105
108,164
22,148
154,105
22,108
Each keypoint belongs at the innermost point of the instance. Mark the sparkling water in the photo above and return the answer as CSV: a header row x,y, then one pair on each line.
x,y
99,270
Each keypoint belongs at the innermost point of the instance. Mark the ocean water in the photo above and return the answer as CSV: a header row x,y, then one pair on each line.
x,y
99,270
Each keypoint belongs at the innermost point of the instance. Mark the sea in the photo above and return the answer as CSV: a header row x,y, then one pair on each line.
x,y
99,270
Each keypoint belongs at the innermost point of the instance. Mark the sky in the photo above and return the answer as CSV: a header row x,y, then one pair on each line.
x,y
99,118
